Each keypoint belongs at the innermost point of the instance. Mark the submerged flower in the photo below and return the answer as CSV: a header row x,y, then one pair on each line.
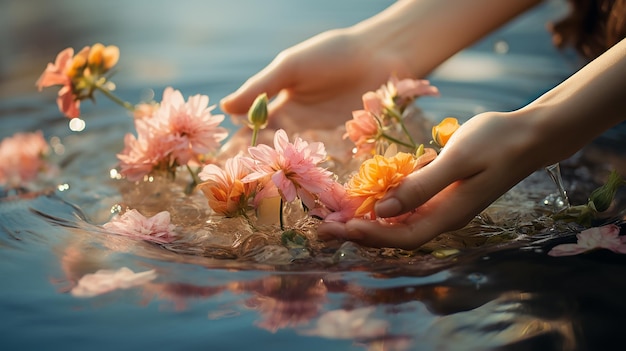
x,y
292,168
605,237
135,225
22,157
444,130
227,194
380,174
104,281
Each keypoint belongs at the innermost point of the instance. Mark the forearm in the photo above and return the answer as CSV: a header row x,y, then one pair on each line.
x,y
582,107
427,32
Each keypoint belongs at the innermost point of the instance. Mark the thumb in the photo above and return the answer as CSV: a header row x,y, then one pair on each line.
x,y
271,80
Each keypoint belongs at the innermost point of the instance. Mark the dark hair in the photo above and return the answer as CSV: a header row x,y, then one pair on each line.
x,y
592,27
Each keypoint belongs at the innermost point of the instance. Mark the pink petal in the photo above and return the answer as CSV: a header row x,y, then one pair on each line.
x,y
567,250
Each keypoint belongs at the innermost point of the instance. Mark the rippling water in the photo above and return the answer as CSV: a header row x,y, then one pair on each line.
x,y
228,289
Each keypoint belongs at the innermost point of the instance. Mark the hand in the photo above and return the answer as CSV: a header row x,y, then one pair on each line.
x,y
487,156
318,81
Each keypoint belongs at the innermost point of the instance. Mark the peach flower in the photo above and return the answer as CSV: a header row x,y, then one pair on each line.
x,y
444,130
337,206
605,237
227,194
56,74
135,225
105,281
22,157
362,130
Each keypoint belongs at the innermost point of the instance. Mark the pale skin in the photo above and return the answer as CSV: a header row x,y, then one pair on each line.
x,y
325,77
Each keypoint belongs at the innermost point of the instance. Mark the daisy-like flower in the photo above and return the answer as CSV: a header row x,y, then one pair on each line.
x,y
337,206
605,237
191,123
380,174
227,194
22,157
105,281
292,168
135,225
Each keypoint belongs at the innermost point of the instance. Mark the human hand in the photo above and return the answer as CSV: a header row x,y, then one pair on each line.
x,y
318,81
487,156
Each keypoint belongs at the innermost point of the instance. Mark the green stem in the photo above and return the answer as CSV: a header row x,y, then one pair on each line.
x,y
255,134
110,95
394,140
398,118
194,177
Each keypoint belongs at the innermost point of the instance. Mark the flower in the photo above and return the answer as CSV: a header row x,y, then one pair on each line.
x,y
444,130
22,157
145,110
363,131
227,194
292,168
104,281
257,115
133,224
336,206
350,324
79,75
380,174
178,133
191,123
55,74
605,237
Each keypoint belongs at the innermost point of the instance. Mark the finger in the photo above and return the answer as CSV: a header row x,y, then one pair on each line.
x,y
420,186
271,80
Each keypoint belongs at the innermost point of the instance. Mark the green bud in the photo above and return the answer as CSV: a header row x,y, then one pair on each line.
x,y
257,114
602,197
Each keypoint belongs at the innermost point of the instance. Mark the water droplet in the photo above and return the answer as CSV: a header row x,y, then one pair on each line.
x,y
77,125
501,47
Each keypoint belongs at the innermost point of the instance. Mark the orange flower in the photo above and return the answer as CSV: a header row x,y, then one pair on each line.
x,y
224,189
380,174
444,130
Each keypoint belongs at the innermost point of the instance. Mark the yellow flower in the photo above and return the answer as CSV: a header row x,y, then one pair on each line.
x,y
102,58
380,174
444,130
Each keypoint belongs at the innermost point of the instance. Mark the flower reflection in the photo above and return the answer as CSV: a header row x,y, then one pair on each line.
x,y
104,281
349,324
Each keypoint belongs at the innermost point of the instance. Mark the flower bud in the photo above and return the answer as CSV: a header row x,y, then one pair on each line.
x,y
602,197
444,130
257,115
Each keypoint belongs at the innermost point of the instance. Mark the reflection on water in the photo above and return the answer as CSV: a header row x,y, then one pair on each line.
x,y
489,286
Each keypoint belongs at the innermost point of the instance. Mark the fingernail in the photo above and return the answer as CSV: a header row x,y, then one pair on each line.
x,y
388,207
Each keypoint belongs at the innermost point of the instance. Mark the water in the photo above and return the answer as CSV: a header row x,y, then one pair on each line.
x,y
489,286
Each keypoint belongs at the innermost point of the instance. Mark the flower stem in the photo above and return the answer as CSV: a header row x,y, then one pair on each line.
x,y
280,215
255,134
399,142
398,117
195,180
125,104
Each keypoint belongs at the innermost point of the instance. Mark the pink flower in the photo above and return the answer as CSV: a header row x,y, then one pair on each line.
x,y
606,237
373,103
412,88
338,206
228,195
191,123
133,224
292,168
22,157
104,281
57,74
145,110
362,130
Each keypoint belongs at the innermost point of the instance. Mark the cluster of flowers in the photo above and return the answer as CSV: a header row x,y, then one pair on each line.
x,y
175,133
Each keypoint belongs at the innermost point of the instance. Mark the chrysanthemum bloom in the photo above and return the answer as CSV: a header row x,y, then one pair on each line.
x,y
22,157
337,206
79,75
149,152
605,237
363,130
227,194
292,168
380,174
191,123
135,225
444,130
